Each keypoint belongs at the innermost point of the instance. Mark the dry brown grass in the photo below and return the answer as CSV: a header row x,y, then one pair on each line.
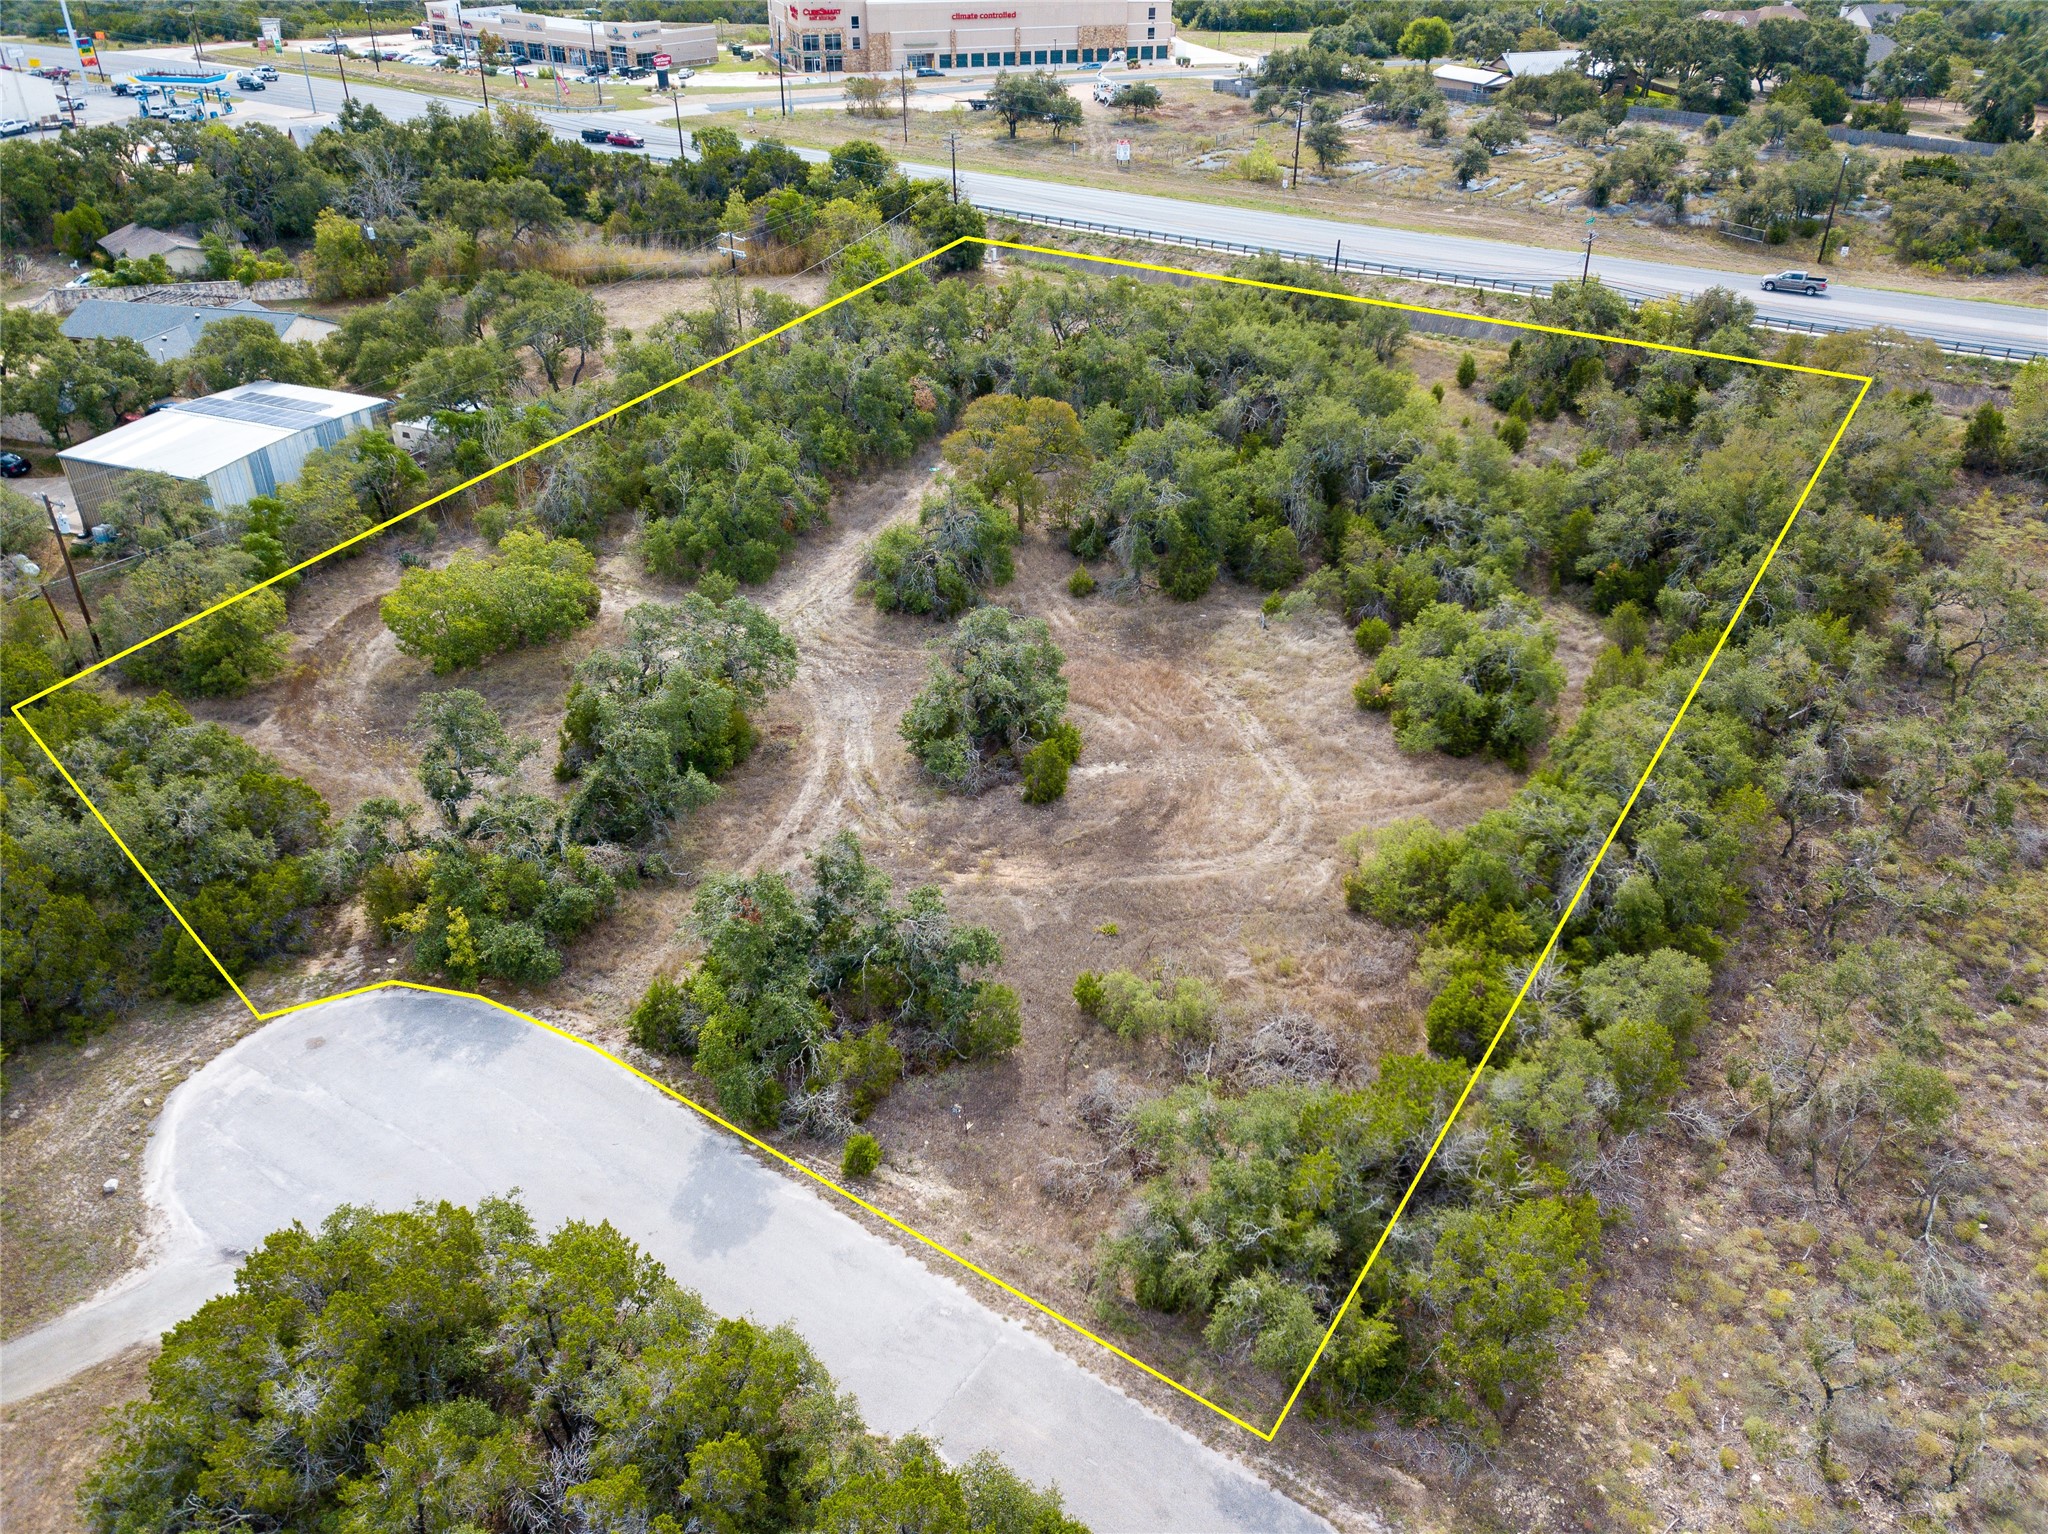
x,y
49,1442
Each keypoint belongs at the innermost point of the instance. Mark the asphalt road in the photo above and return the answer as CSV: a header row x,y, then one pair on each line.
x,y
396,1096
1951,321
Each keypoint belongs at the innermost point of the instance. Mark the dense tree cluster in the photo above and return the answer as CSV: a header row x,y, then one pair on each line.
x,y
809,1004
243,850
531,590
444,1369
940,567
650,724
1777,86
1464,683
996,700
500,885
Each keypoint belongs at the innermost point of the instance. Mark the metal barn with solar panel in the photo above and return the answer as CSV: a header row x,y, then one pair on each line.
x,y
240,443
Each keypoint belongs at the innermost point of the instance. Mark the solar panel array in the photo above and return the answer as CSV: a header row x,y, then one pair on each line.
x,y
262,409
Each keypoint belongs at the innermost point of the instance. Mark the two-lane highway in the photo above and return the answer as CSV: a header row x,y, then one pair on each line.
x,y
1966,323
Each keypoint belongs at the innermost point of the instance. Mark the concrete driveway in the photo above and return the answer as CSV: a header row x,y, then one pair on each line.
x,y
399,1095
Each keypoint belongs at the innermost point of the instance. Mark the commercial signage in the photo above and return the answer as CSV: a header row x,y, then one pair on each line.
x,y
819,15
984,16
662,61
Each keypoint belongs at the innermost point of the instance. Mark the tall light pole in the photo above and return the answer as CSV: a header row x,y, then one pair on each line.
x,y
590,58
306,69
1586,271
71,36
1821,259
953,151
903,86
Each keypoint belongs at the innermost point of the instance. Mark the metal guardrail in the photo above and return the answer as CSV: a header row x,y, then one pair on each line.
x,y
1635,297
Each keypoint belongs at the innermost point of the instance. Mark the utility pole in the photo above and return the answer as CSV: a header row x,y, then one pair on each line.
x,y
781,90
482,78
51,602
376,48
953,151
596,74
1337,261
1586,271
1300,112
192,15
77,593
1821,259
903,86
340,53
682,146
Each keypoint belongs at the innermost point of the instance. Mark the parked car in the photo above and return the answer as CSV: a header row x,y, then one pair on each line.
x,y
14,127
185,114
14,466
624,140
123,88
1088,69
596,135
926,72
329,48
1810,283
248,83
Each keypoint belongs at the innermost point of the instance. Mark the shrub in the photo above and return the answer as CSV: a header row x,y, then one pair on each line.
x,y
997,690
862,1155
941,567
1514,431
1468,371
868,1066
1136,1008
661,1020
1045,765
1371,636
1984,439
534,589
1468,1010
1081,583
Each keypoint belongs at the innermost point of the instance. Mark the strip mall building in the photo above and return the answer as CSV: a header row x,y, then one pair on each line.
x,y
585,43
873,36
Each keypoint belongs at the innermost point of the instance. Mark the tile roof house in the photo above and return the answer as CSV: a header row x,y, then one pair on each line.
x,y
170,331
136,242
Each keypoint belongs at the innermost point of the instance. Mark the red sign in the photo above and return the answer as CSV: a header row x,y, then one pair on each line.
x,y
984,16
820,15
662,61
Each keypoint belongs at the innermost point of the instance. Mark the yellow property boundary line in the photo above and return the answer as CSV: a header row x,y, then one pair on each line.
x,y
1266,1434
